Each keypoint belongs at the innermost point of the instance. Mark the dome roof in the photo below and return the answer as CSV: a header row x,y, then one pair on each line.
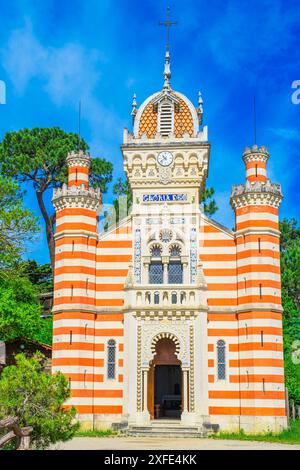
x,y
166,112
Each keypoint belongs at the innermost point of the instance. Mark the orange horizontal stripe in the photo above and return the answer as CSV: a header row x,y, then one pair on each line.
x,y
76,211
82,169
109,302
74,270
206,228
91,286
247,394
255,347
88,316
257,164
257,254
89,331
256,223
126,229
76,226
218,257
242,331
80,346
85,377
221,302
257,282
257,209
218,243
87,240
115,244
254,238
113,258
263,314
221,316
75,255
74,300
77,361
220,272
221,287
97,393
78,182
259,177
223,410
109,409
112,272
263,268
274,299
256,362
253,378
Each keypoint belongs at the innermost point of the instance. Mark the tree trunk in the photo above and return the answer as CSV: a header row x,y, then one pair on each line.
x,y
49,222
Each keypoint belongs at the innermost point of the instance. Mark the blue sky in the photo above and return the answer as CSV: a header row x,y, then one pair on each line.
x,y
54,53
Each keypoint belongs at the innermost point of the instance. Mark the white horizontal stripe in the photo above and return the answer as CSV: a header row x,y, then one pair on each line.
x,y
82,219
101,325
256,171
108,385
68,247
250,403
267,216
105,401
258,260
75,263
219,265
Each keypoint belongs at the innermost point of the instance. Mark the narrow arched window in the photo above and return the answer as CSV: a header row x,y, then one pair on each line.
x,y
174,298
221,360
156,298
156,274
175,268
111,359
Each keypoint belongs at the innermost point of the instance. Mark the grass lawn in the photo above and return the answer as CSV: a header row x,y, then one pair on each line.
x,y
290,436
96,433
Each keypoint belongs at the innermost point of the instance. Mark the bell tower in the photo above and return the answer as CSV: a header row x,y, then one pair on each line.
x,y
166,159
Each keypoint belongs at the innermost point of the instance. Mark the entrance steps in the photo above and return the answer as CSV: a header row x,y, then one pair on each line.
x,y
170,428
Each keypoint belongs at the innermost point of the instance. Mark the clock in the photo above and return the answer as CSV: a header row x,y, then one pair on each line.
x,y
165,158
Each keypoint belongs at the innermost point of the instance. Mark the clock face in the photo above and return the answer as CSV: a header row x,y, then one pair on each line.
x,y
165,158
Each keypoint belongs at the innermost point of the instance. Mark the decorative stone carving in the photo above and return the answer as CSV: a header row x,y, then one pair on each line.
x,y
173,328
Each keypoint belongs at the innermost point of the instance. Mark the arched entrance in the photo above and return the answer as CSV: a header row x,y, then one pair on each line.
x,y
165,381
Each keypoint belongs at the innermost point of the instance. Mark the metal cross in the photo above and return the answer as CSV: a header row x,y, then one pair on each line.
x,y
168,23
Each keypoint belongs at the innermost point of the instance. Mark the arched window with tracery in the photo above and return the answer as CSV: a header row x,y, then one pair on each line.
x,y
221,360
156,271
175,268
111,359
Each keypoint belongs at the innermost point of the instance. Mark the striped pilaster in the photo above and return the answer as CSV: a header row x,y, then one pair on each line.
x,y
259,353
76,351
256,163
78,168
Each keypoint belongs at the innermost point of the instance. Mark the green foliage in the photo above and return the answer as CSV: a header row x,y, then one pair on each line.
x,y
288,436
209,204
36,398
290,275
38,156
19,309
39,275
17,224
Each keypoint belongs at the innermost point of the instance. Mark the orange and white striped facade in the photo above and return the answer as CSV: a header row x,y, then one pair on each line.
x,y
229,294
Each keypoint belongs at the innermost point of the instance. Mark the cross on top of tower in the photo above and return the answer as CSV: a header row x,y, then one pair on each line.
x,y
167,69
168,23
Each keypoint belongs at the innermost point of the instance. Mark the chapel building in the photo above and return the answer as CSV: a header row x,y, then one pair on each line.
x,y
169,315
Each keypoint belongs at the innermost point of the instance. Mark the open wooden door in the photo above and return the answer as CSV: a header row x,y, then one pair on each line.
x,y
151,391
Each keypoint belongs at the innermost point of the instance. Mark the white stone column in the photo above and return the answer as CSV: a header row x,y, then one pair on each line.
x,y
145,390
165,265
185,391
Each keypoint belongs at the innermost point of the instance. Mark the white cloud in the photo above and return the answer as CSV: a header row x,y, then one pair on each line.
x,y
69,73
287,133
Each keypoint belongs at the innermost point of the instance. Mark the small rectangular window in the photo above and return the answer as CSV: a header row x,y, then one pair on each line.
x,y
71,337
262,338
264,385
259,245
256,170
260,291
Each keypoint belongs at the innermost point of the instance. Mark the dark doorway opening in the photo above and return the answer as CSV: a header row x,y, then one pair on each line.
x,y
167,391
